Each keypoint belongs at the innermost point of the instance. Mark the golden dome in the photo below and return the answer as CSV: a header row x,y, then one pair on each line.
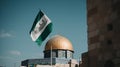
x,y
59,42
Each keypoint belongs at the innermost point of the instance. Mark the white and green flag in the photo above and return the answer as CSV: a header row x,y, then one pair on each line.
x,y
41,28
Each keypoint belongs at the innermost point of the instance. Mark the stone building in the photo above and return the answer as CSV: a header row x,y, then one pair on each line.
x,y
103,20
58,53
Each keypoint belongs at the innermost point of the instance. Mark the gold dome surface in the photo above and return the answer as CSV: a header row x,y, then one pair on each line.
x,y
59,42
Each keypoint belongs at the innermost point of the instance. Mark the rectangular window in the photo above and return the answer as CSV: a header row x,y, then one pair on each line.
x,y
47,54
69,54
109,27
53,54
61,54
109,42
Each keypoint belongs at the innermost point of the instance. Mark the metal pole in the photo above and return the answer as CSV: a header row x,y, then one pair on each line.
x,y
51,55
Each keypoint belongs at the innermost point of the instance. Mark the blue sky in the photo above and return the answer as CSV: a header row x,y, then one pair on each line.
x,y
16,19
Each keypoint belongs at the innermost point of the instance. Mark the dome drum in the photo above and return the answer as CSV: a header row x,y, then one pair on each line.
x,y
58,54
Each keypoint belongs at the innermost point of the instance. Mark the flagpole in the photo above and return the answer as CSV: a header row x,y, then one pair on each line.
x,y
51,55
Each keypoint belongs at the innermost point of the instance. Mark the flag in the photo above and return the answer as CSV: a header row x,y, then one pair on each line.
x,y
41,28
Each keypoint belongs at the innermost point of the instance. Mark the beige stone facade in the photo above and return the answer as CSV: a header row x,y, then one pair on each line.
x,y
103,20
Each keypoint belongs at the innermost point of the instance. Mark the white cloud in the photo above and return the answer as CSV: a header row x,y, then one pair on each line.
x,y
15,52
4,34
